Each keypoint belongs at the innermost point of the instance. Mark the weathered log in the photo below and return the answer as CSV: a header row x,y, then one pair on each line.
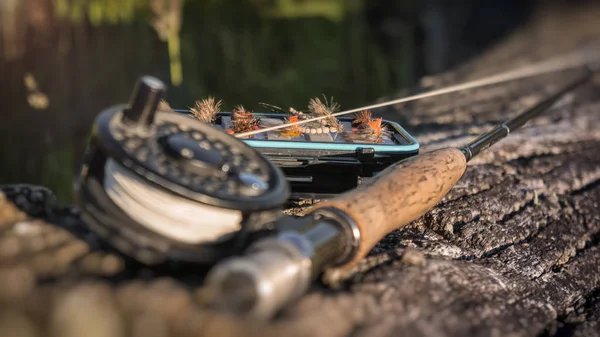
x,y
512,250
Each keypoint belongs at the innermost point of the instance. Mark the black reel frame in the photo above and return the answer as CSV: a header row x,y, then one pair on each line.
x,y
190,159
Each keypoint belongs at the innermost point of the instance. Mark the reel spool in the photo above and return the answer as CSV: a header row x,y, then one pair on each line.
x,y
160,186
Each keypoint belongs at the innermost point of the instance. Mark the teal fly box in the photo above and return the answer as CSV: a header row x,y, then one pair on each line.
x,y
320,161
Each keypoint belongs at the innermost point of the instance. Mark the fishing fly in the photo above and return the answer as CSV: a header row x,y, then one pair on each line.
x,y
205,110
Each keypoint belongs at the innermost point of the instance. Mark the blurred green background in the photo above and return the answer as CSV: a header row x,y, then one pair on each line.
x,y
63,61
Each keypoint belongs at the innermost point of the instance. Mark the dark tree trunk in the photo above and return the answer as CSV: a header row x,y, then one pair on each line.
x,y
512,251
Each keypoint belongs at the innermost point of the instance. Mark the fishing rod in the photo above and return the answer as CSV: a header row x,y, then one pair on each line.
x,y
341,231
164,188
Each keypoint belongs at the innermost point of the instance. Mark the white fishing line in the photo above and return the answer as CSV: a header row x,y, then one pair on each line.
x,y
566,62
165,213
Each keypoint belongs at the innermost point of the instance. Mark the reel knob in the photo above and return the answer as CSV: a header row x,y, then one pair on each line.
x,y
161,186
143,103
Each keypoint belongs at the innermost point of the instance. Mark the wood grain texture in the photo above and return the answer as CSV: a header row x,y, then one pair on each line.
x,y
398,195
512,250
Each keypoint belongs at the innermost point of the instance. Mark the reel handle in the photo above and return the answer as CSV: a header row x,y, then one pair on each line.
x,y
143,102
398,195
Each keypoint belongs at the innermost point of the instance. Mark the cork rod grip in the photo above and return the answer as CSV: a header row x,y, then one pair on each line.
x,y
398,195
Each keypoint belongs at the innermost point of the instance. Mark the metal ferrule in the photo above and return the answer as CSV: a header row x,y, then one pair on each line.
x,y
348,230
483,142
278,270
274,272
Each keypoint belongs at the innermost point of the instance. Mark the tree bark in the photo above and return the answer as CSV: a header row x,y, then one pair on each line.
x,y
513,250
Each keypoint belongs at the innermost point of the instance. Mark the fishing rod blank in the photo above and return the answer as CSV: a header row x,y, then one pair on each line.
x,y
338,233
488,139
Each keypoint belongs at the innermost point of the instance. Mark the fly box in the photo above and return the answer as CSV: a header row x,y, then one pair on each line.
x,y
321,161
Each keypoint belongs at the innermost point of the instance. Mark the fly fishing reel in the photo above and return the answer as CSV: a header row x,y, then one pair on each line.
x,y
161,186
